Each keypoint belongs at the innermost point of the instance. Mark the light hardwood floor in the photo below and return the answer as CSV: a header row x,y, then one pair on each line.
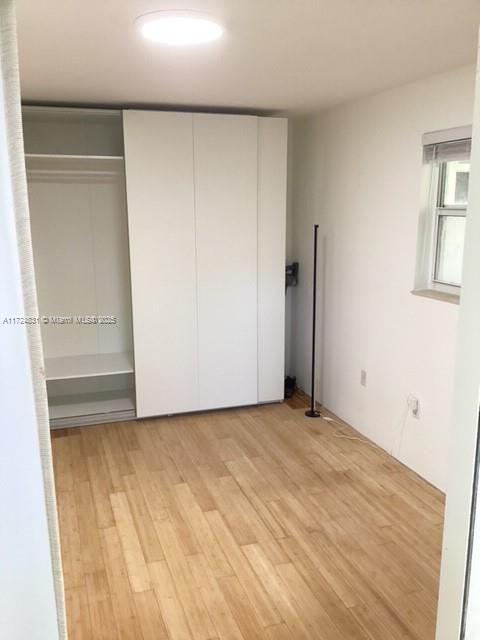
x,y
242,524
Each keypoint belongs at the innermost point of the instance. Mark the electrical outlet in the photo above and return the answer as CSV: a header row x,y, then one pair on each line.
x,y
363,378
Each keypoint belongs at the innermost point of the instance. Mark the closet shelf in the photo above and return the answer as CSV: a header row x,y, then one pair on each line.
x,y
88,366
45,163
90,404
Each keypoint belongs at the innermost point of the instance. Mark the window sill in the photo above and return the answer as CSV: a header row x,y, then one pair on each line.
x,y
452,298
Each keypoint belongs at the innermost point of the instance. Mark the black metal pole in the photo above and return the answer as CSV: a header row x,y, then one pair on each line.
x,y
312,412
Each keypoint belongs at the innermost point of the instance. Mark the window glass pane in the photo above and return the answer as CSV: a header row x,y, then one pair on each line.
x,y
451,235
456,183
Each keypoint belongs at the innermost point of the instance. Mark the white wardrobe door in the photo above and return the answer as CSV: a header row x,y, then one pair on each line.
x,y
272,194
225,158
159,176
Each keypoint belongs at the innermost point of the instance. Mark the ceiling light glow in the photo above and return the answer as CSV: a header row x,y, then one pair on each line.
x,y
178,28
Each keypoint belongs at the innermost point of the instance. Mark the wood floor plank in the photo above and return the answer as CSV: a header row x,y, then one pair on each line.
x,y
170,606
241,607
313,613
197,616
280,632
151,621
79,624
115,452
73,573
379,622
146,439
62,452
280,596
149,484
91,551
132,548
151,547
179,519
309,557
78,459
104,623
128,436
205,537
326,592
262,604
246,477
223,491
92,440
160,452
226,626
189,471
120,590
244,524
102,486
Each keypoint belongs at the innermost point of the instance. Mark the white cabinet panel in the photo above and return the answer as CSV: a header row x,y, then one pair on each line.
x,y
61,225
225,159
79,231
272,188
159,175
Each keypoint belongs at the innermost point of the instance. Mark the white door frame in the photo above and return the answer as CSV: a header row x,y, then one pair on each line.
x,y
460,573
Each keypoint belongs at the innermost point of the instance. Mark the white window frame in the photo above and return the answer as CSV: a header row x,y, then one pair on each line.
x,y
432,208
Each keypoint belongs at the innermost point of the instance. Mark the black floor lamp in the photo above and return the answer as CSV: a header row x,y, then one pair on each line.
x,y
312,412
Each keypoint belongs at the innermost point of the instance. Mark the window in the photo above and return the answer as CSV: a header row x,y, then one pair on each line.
x,y
444,210
451,211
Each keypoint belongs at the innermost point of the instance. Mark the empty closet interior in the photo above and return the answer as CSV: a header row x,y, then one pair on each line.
x,y
76,189
159,249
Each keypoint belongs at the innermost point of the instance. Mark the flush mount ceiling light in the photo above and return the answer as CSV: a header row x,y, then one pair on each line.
x,y
178,28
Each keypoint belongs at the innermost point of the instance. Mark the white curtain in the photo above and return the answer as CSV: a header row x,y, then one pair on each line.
x,y
31,582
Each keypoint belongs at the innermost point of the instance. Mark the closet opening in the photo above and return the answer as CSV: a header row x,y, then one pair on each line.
x,y
76,188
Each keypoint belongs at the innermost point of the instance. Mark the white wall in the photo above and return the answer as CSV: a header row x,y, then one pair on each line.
x,y
31,598
357,172
27,601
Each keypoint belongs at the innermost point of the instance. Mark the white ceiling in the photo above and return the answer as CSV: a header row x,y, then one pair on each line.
x,y
286,55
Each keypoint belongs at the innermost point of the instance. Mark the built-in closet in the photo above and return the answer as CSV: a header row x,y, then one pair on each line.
x,y
159,247
76,187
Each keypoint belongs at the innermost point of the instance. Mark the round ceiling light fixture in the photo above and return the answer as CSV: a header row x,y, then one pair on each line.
x,y
179,28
